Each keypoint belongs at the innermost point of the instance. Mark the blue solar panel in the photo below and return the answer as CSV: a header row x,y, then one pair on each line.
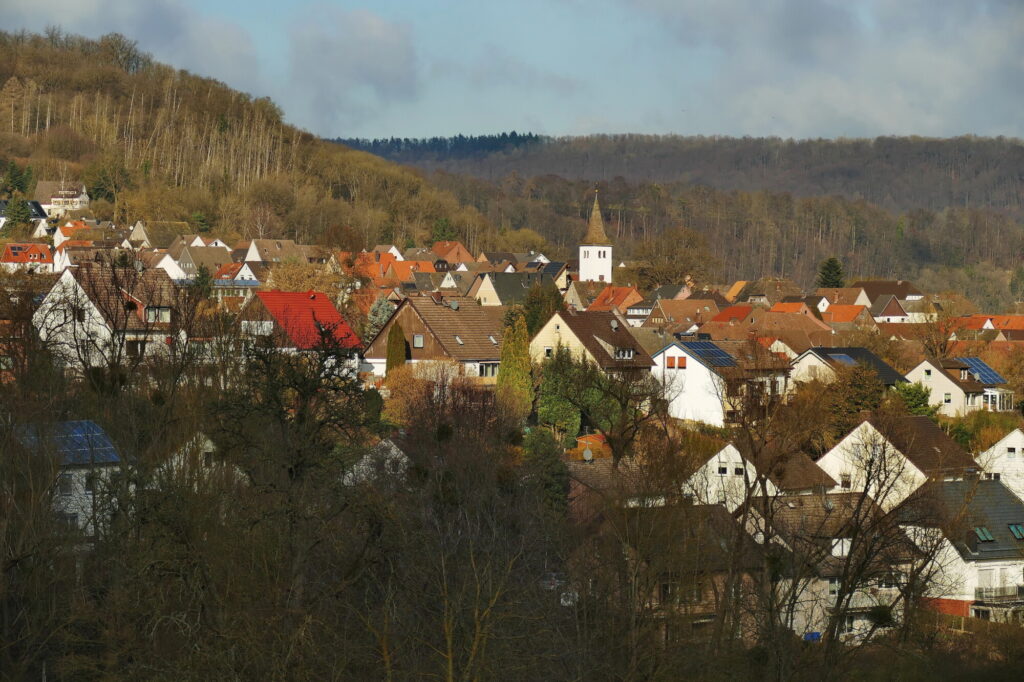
x,y
77,442
843,358
710,353
982,371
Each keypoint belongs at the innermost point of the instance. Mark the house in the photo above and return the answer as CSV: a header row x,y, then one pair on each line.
x,y
212,258
975,528
821,364
1004,461
876,289
451,251
843,296
158,234
158,258
601,337
616,298
890,459
36,214
103,315
580,295
848,317
709,382
58,197
384,460
734,314
389,249
30,257
437,327
839,556
297,321
86,462
637,313
500,288
962,385
274,251
681,316
887,309
767,291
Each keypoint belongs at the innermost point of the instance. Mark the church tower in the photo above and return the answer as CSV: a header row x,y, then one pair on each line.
x,y
596,249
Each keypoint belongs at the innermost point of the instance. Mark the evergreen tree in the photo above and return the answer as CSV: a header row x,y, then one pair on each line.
x,y
830,274
544,466
203,282
857,391
553,410
541,302
515,383
396,352
380,313
18,214
443,231
915,398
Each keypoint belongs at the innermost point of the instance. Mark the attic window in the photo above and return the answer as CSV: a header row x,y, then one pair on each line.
x,y
417,340
1017,530
623,353
984,534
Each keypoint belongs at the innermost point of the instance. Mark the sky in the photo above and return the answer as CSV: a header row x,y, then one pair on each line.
x,y
418,68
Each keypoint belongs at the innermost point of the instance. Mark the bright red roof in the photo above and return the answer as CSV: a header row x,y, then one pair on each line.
x,y
733,313
301,315
228,271
27,253
615,298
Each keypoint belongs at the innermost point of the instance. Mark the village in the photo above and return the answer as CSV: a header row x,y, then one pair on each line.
x,y
894,513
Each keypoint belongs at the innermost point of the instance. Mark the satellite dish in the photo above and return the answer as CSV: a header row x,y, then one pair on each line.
x,y
588,455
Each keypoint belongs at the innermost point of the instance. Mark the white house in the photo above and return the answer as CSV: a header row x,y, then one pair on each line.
x,y
962,385
694,388
890,460
975,528
86,462
1005,461
725,478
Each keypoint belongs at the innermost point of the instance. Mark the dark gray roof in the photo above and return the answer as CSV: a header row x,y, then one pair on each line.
x,y
512,287
841,355
959,507
667,291
35,210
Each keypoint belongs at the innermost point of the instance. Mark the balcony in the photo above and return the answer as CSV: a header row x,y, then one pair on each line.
x,y
1007,593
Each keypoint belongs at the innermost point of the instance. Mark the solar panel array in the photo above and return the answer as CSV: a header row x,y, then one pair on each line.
x,y
985,374
77,442
710,353
843,358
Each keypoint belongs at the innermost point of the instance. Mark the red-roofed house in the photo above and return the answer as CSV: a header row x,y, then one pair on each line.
x,y
841,315
453,252
297,320
616,298
733,314
30,256
402,270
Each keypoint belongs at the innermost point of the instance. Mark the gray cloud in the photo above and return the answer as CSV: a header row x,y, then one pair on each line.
x,y
808,68
346,65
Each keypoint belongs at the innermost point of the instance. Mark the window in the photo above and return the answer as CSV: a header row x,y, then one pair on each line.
x,y
1017,530
548,351
844,481
488,369
738,471
681,363
833,587
1011,452
890,581
840,547
848,624
947,398
158,314
79,314
722,471
69,521
64,484
670,363
90,483
984,534
623,353
417,340
927,372
135,349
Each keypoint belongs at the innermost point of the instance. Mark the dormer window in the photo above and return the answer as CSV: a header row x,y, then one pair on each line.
x,y
963,375
984,534
623,353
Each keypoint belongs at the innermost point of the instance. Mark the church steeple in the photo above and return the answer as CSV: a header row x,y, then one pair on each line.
x,y
595,249
595,227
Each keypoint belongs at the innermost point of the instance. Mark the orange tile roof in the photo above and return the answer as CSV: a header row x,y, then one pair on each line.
x,y
228,271
735,290
616,298
403,270
733,313
838,313
793,307
27,253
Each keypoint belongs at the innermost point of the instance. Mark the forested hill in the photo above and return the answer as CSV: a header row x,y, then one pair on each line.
x,y
897,173
153,142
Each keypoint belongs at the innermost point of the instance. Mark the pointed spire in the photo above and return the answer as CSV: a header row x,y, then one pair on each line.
x,y
595,227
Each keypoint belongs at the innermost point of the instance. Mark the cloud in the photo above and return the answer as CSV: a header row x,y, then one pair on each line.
x,y
347,65
495,67
809,68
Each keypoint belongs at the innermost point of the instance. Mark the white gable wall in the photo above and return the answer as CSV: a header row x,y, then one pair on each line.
x,y
1006,458
694,391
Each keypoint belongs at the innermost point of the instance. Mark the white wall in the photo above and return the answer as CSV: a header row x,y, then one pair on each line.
x,y
695,392
711,485
939,384
1006,458
596,264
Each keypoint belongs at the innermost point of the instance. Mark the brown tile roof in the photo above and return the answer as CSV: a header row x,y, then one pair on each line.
x,y
601,333
470,322
926,445
839,296
679,315
121,295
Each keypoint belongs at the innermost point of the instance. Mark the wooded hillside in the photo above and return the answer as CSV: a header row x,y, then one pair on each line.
x,y
154,142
